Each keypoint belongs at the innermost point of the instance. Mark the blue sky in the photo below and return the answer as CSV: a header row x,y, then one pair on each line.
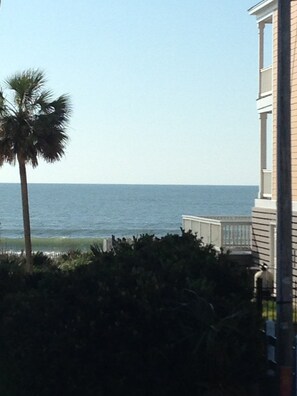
x,y
163,91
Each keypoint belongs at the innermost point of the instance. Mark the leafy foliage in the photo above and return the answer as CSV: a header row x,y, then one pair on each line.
x,y
164,316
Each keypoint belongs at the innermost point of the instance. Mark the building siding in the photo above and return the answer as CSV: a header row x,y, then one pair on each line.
x,y
261,223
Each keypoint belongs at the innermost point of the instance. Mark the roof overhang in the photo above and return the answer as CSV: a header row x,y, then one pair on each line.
x,y
264,9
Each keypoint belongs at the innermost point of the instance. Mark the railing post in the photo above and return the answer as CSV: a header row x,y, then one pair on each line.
x,y
221,235
271,340
295,367
259,296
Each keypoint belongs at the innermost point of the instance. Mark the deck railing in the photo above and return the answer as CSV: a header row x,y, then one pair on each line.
x,y
228,232
265,81
266,183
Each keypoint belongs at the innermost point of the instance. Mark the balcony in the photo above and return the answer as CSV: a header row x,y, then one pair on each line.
x,y
264,101
265,82
229,232
266,184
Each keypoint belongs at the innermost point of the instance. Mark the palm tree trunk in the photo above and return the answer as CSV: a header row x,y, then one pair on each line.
x,y
26,216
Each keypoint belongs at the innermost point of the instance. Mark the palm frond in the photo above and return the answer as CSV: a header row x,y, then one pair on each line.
x,y
26,86
7,146
42,102
62,109
34,125
3,104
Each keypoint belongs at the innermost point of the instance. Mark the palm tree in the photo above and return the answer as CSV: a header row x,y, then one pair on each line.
x,y
32,126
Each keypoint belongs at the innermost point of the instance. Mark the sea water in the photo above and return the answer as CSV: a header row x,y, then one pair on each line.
x,y
69,216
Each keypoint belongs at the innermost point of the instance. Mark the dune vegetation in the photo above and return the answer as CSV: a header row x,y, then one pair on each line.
x,y
158,316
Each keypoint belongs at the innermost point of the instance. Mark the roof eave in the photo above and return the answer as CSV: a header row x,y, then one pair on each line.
x,y
263,9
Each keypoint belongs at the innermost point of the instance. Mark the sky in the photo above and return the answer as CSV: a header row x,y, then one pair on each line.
x,y
163,91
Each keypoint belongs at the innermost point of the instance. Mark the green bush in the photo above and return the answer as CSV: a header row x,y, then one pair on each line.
x,y
12,263
72,260
42,262
160,317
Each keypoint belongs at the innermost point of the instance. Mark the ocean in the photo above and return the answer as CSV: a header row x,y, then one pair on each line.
x,y
70,216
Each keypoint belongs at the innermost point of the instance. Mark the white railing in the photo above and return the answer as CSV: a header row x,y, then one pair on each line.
x,y
265,81
228,232
266,183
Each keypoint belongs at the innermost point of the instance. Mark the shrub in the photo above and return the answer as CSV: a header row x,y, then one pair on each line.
x,y
161,317
42,262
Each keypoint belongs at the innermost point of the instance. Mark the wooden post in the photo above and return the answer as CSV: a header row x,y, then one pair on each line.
x,y
284,328
261,27
259,296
